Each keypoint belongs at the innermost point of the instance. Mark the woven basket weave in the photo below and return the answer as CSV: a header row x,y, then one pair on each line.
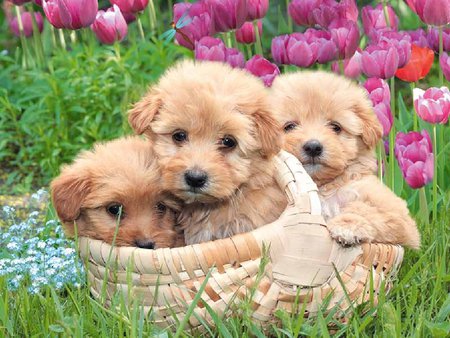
x,y
304,268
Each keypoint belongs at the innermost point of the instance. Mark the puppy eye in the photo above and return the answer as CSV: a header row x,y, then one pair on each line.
x,y
115,209
336,127
161,207
179,136
291,125
228,142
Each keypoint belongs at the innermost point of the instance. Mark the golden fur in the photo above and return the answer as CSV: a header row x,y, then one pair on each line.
x,y
121,172
209,102
357,206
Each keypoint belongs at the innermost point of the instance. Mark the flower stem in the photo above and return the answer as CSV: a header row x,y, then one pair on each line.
x,y
341,66
392,136
249,51
62,39
441,52
141,30
380,147
37,39
290,25
423,206
415,119
386,13
435,196
258,44
25,53
152,15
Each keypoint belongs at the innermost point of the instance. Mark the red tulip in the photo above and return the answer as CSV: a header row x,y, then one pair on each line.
x,y
373,19
418,66
444,62
263,69
433,39
110,26
432,105
380,96
70,14
228,14
256,9
414,153
432,12
352,66
200,24
27,23
130,6
246,34
379,62
345,35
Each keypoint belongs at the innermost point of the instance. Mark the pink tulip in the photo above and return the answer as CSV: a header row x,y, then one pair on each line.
x,y
352,66
432,105
129,17
304,49
263,69
379,62
70,14
433,39
212,49
301,11
130,6
279,49
345,35
432,12
373,19
246,34
418,37
322,44
27,22
110,26
228,14
445,65
401,41
414,153
234,58
380,96
200,24
256,9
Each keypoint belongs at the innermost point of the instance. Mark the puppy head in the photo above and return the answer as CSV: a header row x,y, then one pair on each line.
x,y
116,184
211,124
327,120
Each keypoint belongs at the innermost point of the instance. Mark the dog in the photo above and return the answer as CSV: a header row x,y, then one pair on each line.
x,y
329,125
117,184
215,138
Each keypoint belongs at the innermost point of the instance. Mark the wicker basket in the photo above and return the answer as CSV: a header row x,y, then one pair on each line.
x,y
305,266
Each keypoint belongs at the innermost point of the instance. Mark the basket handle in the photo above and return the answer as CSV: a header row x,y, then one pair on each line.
x,y
295,181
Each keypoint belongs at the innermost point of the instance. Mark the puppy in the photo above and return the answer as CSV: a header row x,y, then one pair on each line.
x,y
329,124
116,183
215,138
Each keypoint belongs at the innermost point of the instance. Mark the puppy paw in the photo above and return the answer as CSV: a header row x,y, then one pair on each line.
x,y
349,229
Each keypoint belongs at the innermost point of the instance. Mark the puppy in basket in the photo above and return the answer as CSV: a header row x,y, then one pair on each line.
x,y
329,124
215,137
116,184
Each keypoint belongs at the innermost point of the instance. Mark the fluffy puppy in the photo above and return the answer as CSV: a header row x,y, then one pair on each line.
x,y
329,124
117,181
215,138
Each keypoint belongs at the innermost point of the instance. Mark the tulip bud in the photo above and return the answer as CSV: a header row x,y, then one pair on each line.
x,y
432,12
256,9
414,153
445,65
130,6
27,23
432,105
263,69
246,34
110,26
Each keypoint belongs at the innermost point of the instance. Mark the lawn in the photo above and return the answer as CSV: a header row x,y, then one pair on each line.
x,y
61,90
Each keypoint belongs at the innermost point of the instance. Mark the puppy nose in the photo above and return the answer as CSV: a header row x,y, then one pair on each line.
x,y
195,178
145,244
313,148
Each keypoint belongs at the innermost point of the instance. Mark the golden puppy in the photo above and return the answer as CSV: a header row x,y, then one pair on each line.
x,y
117,181
215,137
330,126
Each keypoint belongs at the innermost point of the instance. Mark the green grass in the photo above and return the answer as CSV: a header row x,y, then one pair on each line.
x,y
417,306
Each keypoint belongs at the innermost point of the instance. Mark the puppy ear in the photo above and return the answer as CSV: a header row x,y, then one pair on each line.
x,y
144,111
268,132
69,190
372,130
